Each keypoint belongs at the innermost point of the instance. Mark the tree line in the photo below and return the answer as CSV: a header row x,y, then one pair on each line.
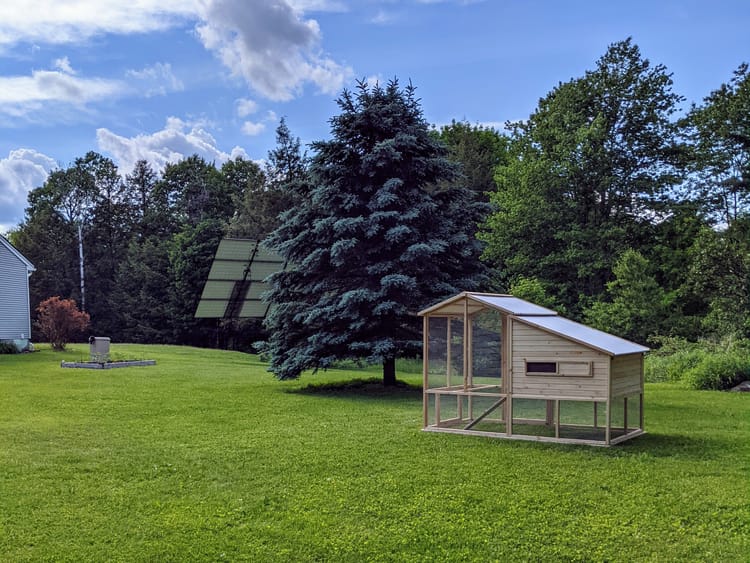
x,y
606,204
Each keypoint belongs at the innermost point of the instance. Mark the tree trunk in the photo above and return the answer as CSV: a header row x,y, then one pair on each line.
x,y
80,264
389,372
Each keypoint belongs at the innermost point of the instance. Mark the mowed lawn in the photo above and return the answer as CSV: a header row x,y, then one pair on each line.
x,y
206,457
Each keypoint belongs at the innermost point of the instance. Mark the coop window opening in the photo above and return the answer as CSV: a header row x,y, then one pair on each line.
x,y
558,368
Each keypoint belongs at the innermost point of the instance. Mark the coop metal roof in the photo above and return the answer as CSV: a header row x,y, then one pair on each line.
x,y
539,317
236,280
602,341
477,301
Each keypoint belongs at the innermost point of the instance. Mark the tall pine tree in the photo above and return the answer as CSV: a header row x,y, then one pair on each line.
x,y
372,242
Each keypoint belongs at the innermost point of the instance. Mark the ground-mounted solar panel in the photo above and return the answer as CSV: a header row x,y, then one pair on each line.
x,y
235,281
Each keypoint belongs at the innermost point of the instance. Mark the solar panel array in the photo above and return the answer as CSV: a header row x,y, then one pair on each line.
x,y
236,280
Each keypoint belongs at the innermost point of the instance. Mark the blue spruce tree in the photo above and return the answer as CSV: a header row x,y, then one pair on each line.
x,y
373,241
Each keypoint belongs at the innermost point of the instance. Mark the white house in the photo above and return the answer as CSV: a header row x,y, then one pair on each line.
x,y
15,312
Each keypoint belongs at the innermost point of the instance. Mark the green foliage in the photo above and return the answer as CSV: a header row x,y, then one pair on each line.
x,y
588,170
267,194
720,370
638,306
720,132
135,465
704,365
191,253
372,241
671,359
8,348
533,290
720,275
478,150
142,292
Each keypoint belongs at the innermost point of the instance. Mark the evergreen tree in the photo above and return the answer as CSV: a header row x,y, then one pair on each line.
x,y
269,193
372,242
106,240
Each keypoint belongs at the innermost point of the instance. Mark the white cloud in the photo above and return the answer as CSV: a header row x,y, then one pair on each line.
x,y
375,80
319,5
252,128
246,107
382,17
156,80
63,64
23,96
178,139
268,43
56,22
53,85
22,171
271,46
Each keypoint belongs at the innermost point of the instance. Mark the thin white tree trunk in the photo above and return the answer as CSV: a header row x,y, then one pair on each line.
x,y
80,263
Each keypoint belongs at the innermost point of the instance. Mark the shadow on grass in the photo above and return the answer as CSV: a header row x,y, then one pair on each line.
x,y
678,446
371,388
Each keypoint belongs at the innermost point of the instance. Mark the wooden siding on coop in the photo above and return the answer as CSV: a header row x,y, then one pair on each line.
x,y
534,345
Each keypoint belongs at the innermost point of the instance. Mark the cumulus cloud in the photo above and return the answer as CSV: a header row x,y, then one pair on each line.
x,y
53,85
22,95
156,80
177,140
268,43
252,128
271,45
52,21
23,170
246,107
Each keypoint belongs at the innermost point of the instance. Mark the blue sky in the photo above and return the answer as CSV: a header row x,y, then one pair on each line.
x,y
163,79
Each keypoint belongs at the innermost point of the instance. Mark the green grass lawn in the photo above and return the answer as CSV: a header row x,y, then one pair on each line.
x,y
206,457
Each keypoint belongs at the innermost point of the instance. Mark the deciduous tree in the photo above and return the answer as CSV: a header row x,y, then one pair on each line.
x,y
720,131
589,173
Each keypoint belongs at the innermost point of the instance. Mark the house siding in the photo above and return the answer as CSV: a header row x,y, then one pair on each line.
x,y
15,320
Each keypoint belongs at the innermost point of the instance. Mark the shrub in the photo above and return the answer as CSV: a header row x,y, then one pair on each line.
x,y
60,321
719,370
8,348
701,365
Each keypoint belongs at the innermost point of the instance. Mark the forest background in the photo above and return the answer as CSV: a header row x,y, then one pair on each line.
x,y
607,204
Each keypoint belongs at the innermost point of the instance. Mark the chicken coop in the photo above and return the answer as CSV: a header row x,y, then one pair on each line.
x,y
496,365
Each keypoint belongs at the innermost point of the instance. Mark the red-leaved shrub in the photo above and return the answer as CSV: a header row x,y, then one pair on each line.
x,y
60,321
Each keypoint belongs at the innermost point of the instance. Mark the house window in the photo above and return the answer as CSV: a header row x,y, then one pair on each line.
x,y
546,368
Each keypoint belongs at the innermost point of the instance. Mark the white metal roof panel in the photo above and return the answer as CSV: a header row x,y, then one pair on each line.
x,y
511,305
603,341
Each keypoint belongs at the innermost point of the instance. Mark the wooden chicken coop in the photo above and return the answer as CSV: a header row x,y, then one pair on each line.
x,y
499,366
